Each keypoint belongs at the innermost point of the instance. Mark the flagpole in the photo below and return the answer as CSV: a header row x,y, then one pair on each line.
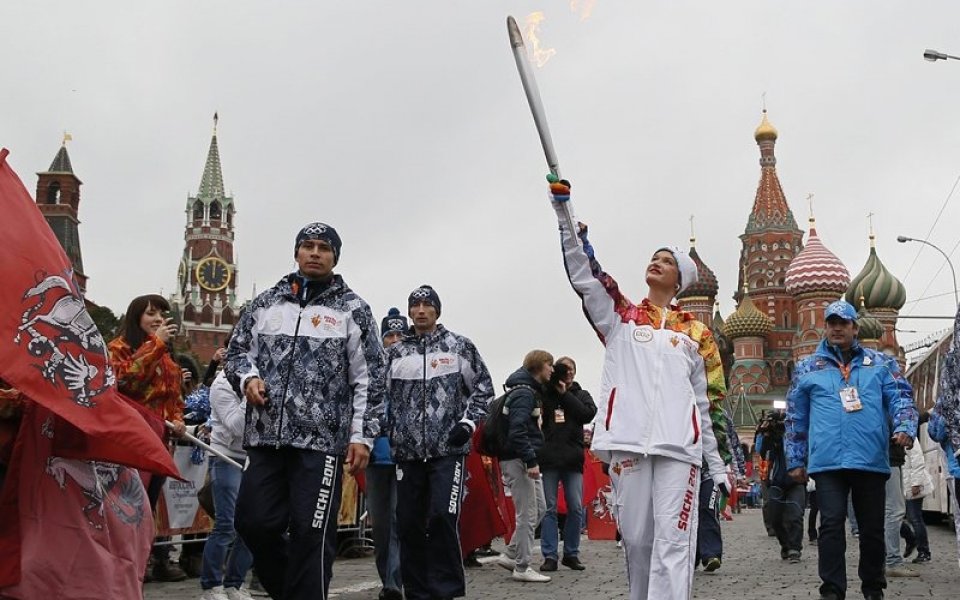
x,y
532,92
206,446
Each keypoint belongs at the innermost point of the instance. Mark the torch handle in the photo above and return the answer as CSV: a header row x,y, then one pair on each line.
x,y
532,92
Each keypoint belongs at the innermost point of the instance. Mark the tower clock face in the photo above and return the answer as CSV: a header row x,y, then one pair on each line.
x,y
213,274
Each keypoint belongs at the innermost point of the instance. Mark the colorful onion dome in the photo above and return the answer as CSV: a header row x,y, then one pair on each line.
x,y
706,285
747,321
870,327
879,288
816,269
765,131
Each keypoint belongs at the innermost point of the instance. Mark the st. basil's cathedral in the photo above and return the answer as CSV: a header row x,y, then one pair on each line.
x,y
783,289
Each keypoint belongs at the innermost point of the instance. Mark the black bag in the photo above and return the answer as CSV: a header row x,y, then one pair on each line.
x,y
493,432
205,497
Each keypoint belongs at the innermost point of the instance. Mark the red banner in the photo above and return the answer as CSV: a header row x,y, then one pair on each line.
x,y
482,517
52,352
82,529
50,348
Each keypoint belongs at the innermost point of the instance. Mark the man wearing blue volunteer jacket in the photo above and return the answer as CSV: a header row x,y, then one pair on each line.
x,y
844,405
307,357
439,388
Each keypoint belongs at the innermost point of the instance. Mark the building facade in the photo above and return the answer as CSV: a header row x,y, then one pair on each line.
x,y
58,198
206,298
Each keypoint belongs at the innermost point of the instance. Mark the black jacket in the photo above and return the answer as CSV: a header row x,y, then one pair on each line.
x,y
563,442
523,429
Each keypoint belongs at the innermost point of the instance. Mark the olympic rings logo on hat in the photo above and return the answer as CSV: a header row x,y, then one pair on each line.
x,y
420,293
315,229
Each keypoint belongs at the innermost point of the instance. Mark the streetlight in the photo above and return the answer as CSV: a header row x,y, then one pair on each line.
x,y
934,55
904,239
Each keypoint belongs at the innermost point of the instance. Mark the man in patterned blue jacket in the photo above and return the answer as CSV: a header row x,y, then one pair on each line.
x,y
844,405
439,389
308,359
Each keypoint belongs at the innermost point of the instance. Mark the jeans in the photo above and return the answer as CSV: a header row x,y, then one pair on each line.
x,y
225,480
573,494
786,515
382,504
530,505
833,489
915,516
895,511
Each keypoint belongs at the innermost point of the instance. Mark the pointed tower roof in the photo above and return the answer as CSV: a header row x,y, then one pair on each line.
x,y
211,184
706,285
717,317
816,269
878,287
743,414
770,209
61,162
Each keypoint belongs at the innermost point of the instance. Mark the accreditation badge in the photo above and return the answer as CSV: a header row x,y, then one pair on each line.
x,y
559,417
850,399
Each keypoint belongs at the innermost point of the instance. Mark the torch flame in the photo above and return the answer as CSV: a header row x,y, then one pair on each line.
x,y
584,7
532,24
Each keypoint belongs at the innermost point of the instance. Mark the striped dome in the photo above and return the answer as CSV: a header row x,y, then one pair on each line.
x,y
747,321
870,327
706,285
816,269
880,289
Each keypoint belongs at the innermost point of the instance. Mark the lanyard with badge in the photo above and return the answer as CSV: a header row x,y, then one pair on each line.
x,y
849,396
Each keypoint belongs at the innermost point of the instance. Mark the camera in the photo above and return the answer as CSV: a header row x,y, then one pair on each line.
x,y
560,371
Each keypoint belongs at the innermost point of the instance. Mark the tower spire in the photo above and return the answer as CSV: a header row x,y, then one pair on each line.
x,y
693,235
873,238
211,184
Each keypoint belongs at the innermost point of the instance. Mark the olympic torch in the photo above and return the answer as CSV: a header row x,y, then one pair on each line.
x,y
532,92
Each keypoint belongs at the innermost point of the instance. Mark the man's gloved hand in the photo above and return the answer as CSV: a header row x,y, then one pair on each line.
x,y
559,188
459,435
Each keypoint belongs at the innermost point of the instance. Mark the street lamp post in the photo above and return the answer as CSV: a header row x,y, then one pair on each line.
x,y
904,239
934,55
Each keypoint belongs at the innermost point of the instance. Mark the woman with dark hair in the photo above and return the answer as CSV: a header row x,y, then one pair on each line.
x,y
147,373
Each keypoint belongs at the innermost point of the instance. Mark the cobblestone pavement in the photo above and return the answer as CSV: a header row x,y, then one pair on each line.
x,y
752,570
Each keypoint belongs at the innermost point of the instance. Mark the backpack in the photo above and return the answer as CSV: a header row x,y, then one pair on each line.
x,y
493,431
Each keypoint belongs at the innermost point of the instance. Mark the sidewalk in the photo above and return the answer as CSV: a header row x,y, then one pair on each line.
x,y
752,570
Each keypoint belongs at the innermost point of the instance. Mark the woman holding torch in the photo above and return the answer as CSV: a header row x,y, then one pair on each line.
x,y
659,410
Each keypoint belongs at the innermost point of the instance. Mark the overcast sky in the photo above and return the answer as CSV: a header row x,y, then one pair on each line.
x,y
403,124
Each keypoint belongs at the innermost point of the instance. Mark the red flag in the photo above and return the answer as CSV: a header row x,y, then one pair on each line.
x,y
481,517
85,526
50,348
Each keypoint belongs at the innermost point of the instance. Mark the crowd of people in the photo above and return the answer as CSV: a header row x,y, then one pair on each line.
x,y
309,388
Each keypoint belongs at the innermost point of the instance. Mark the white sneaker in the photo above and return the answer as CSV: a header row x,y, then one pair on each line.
x,y
238,594
214,593
506,562
530,576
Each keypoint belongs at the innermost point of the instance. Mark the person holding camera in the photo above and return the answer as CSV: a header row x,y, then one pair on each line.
x,y
786,497
566,409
